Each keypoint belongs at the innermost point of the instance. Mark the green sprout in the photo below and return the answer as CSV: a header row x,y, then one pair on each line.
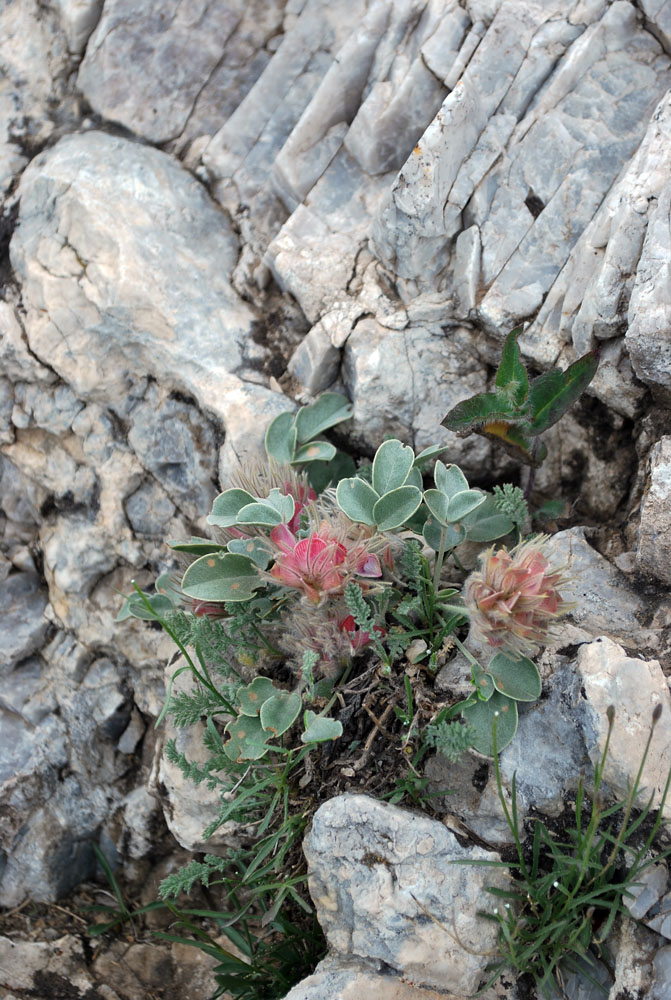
x,y
518,410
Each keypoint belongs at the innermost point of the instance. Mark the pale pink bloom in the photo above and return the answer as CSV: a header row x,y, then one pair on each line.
x,y
320,564
513,599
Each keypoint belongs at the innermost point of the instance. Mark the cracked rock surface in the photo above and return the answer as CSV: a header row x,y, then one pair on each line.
x,y
210,213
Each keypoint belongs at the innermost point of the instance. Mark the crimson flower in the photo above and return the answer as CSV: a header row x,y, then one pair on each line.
x,y
321,564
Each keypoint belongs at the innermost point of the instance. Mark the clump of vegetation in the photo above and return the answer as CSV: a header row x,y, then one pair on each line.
x,y
313,624
565,893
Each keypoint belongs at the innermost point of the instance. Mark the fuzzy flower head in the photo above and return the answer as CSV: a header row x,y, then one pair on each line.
x,y
514,600
327,630
258,479
322,564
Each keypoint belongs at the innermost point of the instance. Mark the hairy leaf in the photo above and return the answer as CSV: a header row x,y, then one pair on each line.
x,y
449,479
471,414
551,394
318,728
487,522
394,508
196,546
512,376
247,739
281,711
481,717
314,451
514,441
465,503
517,678
253,548
227,506
252,696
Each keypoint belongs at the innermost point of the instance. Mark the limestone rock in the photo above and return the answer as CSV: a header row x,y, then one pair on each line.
x,y
604,601
342,979
16,360
111,278
403,382
662,971
380,877
22,604
652,883
35,63
78,19
187,815
647,337
654,540
40,967
160,71
635,687
243,150
179,448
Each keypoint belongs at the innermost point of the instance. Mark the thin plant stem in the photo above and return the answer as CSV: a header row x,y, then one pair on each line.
x,y
440,556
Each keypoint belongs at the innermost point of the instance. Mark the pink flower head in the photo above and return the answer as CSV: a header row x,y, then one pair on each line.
x,y
513,599
321,564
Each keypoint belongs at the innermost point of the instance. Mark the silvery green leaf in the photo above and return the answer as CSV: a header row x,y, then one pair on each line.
x,y
391,466
283,504
253,548
516,677
259,513
430,452
462,504
356,499
221,577
331,408
314,451
438,504
481,716
454,534
281,438
393,509
226,507
449,479
281,711
318,728
252,696
486,523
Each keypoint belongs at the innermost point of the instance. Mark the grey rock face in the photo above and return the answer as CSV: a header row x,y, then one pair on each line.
x,y
387,372
178,447
110,277
342,979
154,69
385,888
605,602
654,542
78,19
22,604
635,687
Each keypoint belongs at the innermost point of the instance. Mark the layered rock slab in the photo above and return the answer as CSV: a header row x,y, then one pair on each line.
x,y
654,544
388,886
175,69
